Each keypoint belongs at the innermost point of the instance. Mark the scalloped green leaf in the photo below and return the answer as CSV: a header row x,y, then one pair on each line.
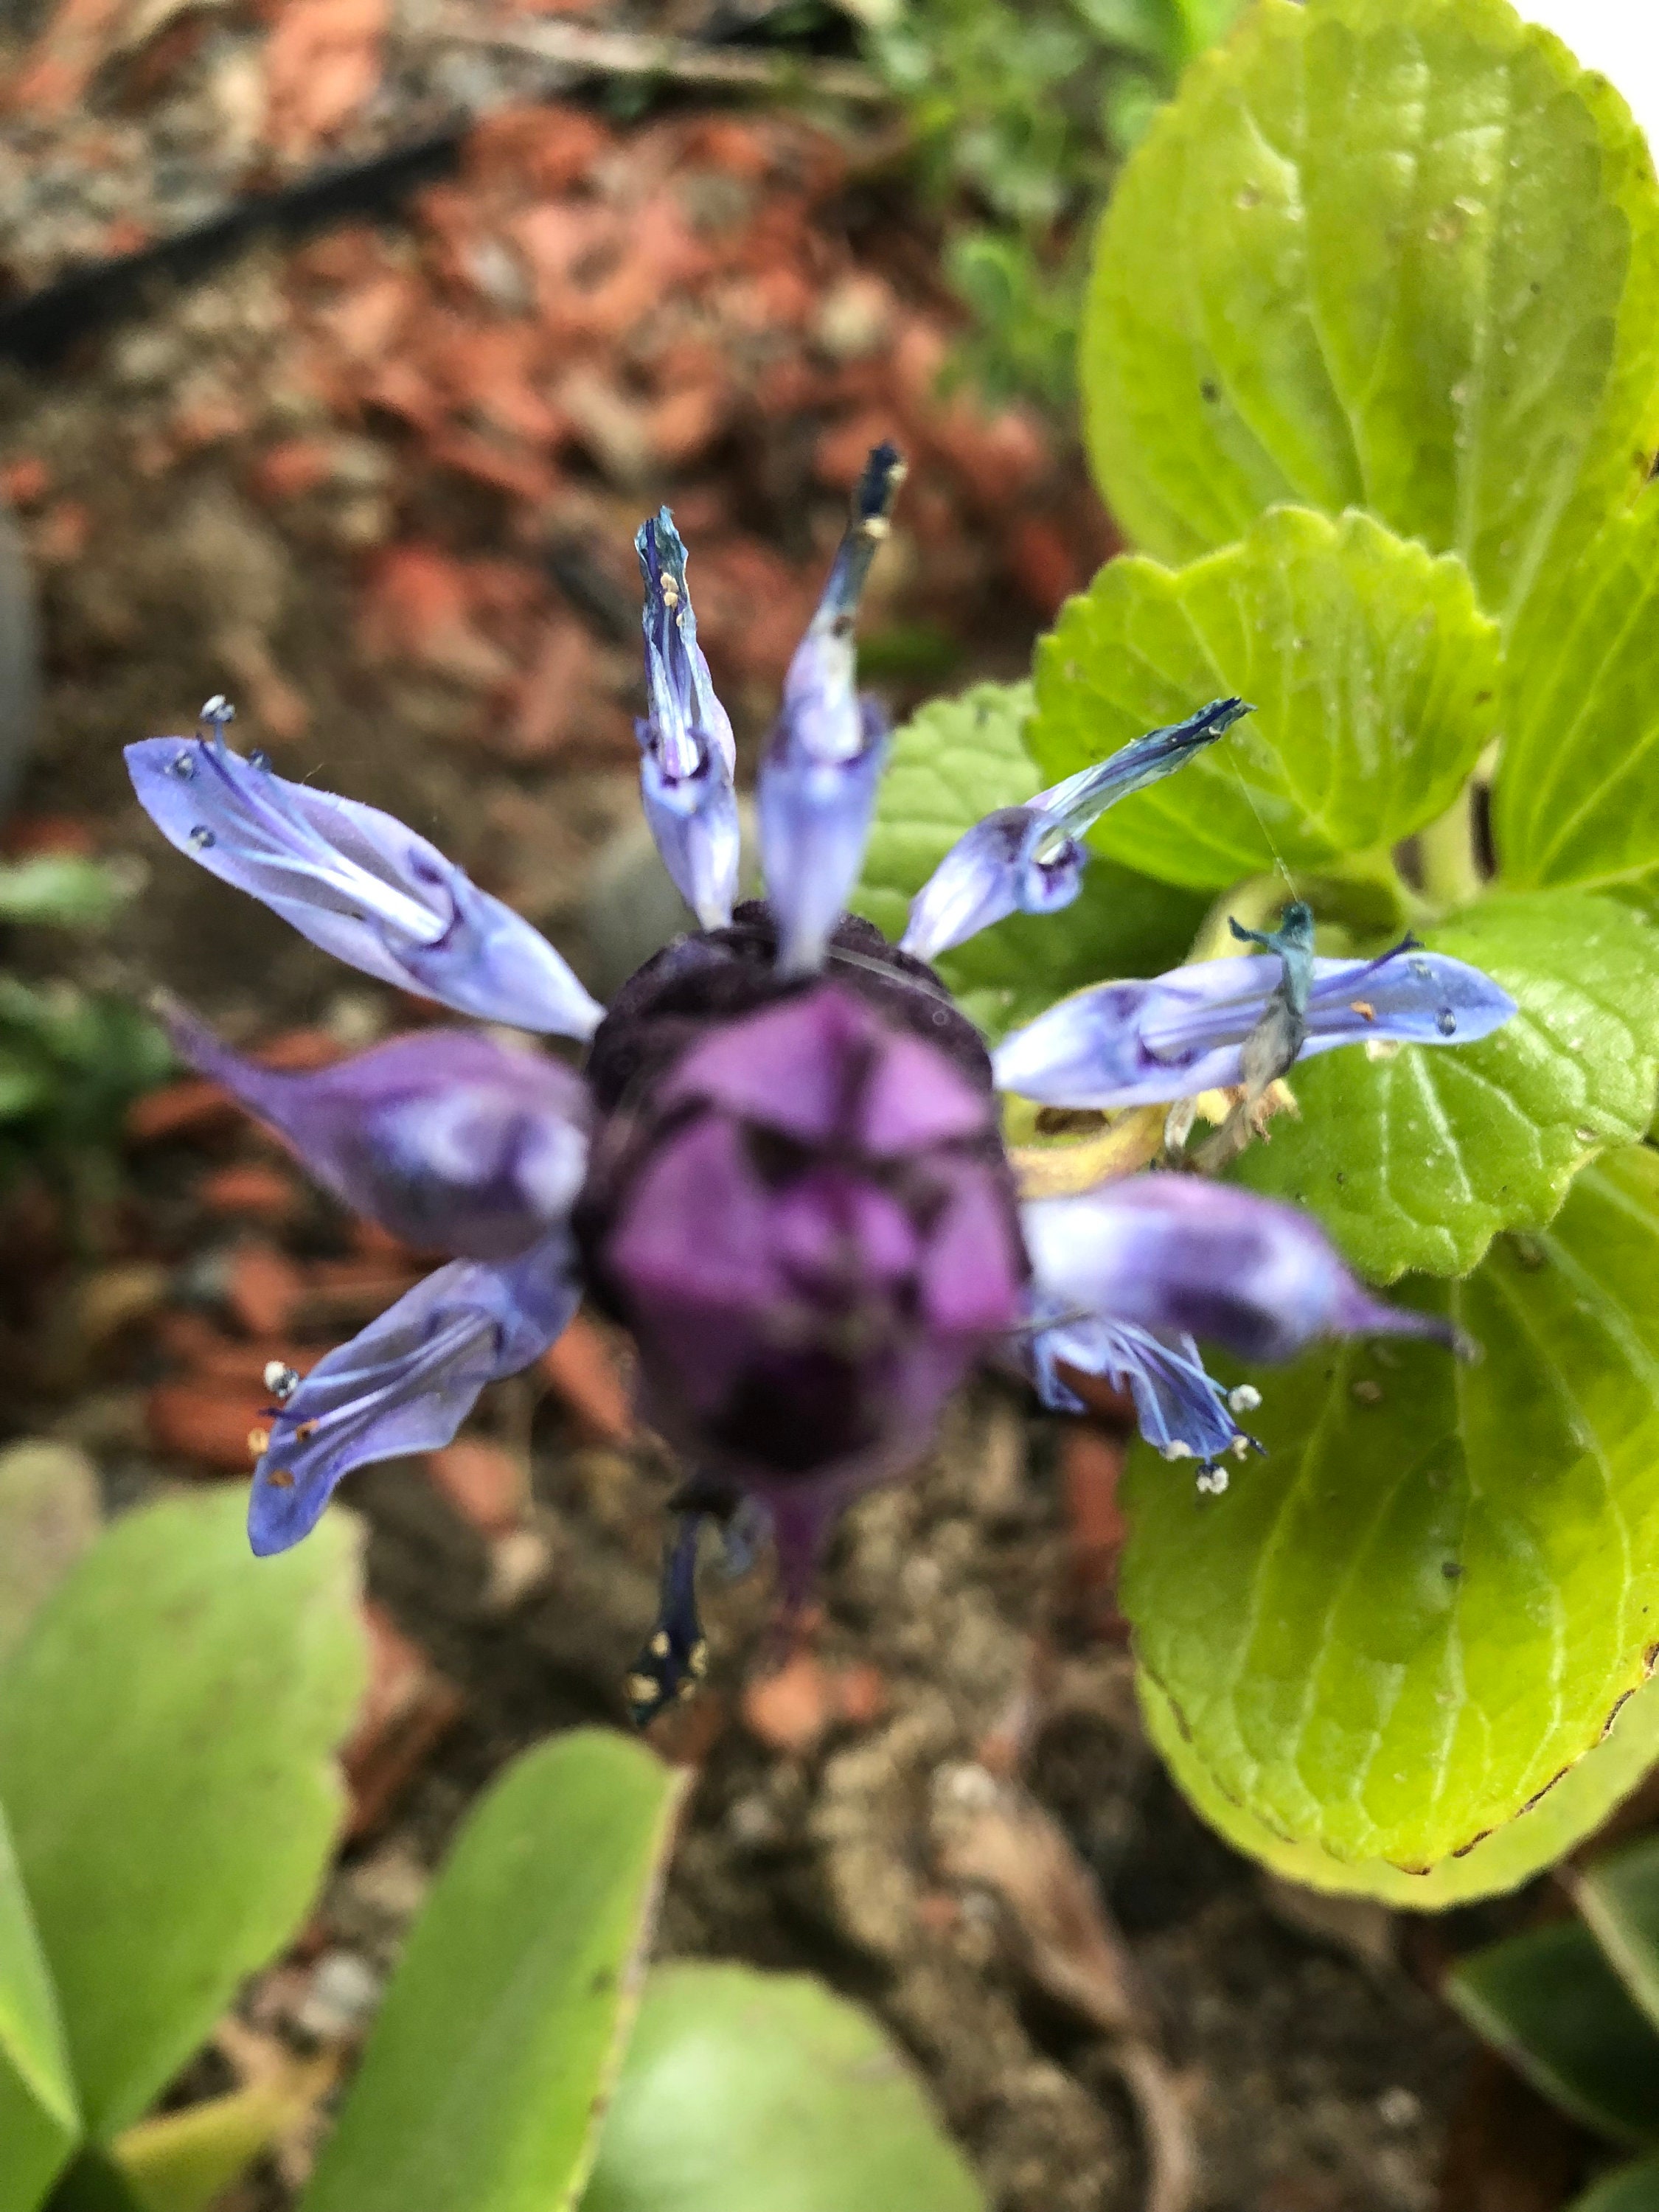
x,y
1618,1898
1382,253
1558,2013
1629,2188
40,2124
744,2092
1374,675
1429,1599
955,761
1575,799
1572,1810
1418,1159
167,1727
493,2058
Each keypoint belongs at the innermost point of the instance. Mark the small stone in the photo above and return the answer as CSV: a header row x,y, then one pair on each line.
x,y
1399,2108
344,1997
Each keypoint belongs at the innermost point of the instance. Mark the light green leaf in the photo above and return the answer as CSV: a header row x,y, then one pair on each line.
x,y
1382,253
1425,1604
61,889
954,762
165,1732
744,2092
1373,673
1576,795
1513,1854
1418,1159
1629,2189
1558,2013
49,1515
40,2125
1619,1897
491,2061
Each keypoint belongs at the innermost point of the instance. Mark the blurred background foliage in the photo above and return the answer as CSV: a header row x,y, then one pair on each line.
x,y
1021,116
71,1060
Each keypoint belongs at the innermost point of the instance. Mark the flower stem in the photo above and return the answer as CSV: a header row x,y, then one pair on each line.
x,y
1254,904
1451,874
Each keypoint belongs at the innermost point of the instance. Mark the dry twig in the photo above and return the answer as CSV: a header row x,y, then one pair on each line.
x,y
993,1833
576,47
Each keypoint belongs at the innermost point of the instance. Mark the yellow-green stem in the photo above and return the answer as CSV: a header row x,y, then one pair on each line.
x,y
1451,873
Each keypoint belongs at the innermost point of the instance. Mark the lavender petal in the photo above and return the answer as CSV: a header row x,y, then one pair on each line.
x,y
451,1142
990,873
1181,1255
688,756
407,1381
358,882
1141,1043
1027,860
814,817
816,793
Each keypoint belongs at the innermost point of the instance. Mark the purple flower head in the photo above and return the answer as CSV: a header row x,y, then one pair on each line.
x,y
354,881
453,1142
810,1233
1030,858
1140,1044
687,754
781,1166
407,1381
1183,1256
819,776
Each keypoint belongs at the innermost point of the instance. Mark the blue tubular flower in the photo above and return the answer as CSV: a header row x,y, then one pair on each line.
x,y
1124,1278
687,754
818,780
355,882
675,1655
1142,1044
453,1142
1183,1256
1182,1410
1029,859
407,1381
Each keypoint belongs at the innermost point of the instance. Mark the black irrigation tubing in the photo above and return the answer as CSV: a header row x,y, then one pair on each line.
x,y
37,329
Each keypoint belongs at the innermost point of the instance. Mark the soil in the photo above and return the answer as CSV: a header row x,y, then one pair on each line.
x,y
967,1648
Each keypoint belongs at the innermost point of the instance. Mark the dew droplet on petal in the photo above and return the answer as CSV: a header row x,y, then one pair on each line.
x,y
200,836
183,765
1446,1022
